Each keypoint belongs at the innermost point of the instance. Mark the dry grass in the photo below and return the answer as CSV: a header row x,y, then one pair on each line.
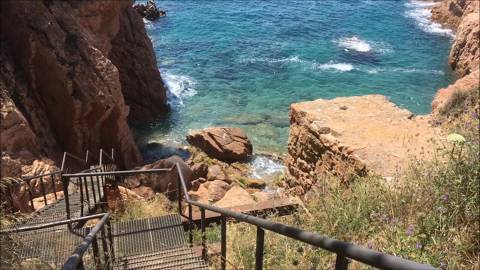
x,y
138,209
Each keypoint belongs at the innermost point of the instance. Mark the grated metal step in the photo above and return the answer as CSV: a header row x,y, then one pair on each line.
x,y
175,258
51,246
153,243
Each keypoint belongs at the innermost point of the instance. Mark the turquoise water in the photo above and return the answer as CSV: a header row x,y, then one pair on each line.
x,y
242,63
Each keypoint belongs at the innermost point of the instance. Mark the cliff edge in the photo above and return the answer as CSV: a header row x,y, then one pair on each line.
x,y
345,137
72,74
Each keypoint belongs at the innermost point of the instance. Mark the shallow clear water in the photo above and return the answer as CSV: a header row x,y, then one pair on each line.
x,y
242,63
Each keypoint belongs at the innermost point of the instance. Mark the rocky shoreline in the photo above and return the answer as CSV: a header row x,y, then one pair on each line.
x,y
348,137
103,75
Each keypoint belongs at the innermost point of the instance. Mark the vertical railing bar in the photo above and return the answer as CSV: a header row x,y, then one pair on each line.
x,y
96,253
223,239
110,239
204,237
83,180
42,186
65,195
190,225
105,249
81,196
30,193
341,262
259,249
93,190
99,189
179,184
52,177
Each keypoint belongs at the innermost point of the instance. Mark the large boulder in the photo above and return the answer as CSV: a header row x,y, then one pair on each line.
x,y
236,196
163,182
226,144
216,172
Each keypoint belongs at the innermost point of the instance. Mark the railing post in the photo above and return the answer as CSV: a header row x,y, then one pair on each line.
x,y
105,249
190,224
259,249
52,178
65,195
83,180
110,240
341,263
204,237
223,239
42,186
96,254
30,194
93,189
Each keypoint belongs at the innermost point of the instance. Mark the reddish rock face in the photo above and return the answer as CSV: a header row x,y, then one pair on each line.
x,y
226,144
463,16
465,54
344,137
165,182
74,68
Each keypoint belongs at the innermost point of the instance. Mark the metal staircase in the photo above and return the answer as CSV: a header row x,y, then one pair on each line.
x,y
79,225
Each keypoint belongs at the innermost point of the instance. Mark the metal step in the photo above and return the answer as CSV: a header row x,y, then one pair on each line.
x,y
50,245
176,258
153,243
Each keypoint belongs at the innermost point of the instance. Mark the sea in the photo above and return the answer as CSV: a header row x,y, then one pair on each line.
x,y
241,63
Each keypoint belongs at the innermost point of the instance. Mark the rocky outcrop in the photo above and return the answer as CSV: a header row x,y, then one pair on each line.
x,y
132,53
69,77
344,137
445,97
165,182
226,144
235,196
451,12
465,54
149,11
463,16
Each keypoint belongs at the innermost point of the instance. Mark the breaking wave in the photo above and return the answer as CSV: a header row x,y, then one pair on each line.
x,y
179,87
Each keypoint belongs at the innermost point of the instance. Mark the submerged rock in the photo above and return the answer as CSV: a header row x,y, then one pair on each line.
x,y
226,144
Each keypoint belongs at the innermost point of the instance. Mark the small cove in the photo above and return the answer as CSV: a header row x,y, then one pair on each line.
x,y
242,63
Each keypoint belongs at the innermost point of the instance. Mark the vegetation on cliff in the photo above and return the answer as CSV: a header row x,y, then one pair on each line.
x,y
431,215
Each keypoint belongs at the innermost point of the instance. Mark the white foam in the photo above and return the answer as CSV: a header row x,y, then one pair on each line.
x,y
354,44
420,11
342,67
357,44
405,70
179,87
263,167
291,59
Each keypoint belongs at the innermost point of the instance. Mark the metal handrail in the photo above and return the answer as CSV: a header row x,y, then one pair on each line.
x,y
118,173
342,249
76,258
103,153
84,161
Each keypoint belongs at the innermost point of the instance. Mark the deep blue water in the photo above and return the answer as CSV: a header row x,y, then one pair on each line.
x,y
243,62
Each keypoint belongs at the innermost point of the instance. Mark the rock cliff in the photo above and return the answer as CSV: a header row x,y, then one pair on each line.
x,y
72,73
464,17
346,137
359,135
